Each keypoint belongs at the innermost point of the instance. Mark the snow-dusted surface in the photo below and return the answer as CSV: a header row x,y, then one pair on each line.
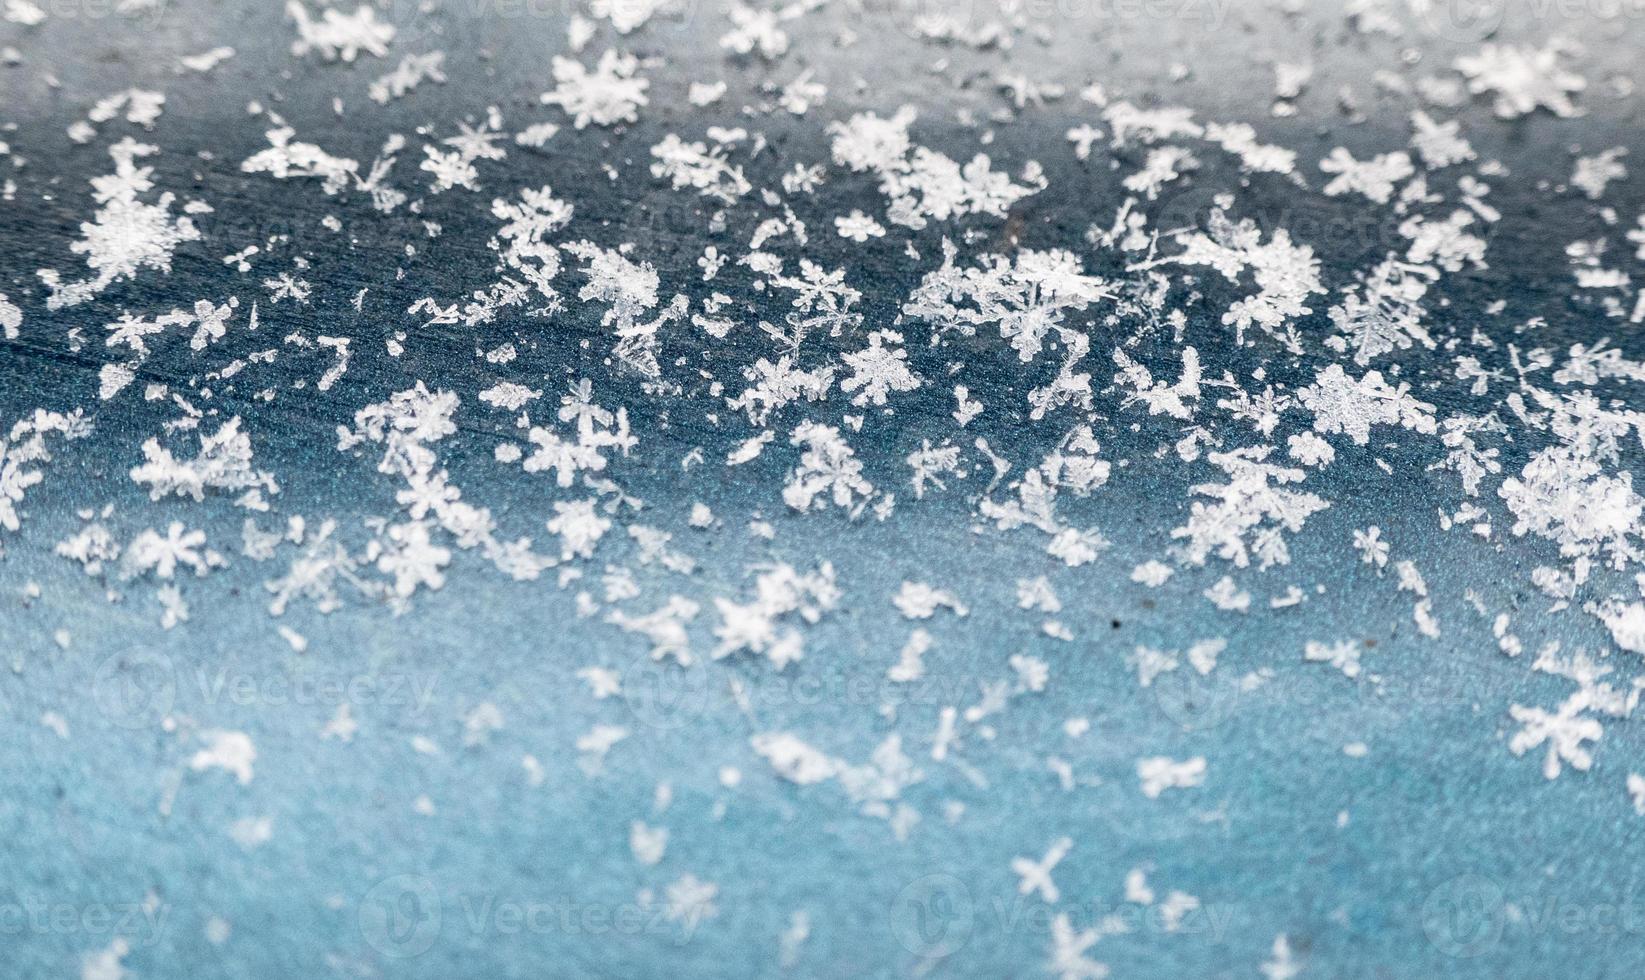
x,y
829,490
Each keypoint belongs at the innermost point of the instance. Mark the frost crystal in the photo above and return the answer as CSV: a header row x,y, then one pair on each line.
x,y
608,95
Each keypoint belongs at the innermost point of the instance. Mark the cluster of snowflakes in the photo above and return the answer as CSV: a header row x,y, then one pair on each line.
x,y
1110,337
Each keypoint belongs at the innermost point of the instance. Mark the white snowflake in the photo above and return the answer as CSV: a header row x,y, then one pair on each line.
x,y
828,468
126,235
608,95
878,369
1522,78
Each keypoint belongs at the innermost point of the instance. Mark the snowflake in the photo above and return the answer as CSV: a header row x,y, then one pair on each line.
x,y
408,553
1374,178
1253,496
1564,731
126,235
755,30
822,300
565,457
224,463
1446,243
1384,312
1161,398
339,35
404,424
1567,498
794,759
879,369
285,159
631,290
1149,125
694,165
917,600
1159,773
1025,297
1593,173
779,592
1372,549
773,385
522,239
314,574
1035,876
1241,140
920,182
1075,547
858,227
1437,143
152,552
828,467
1164,164
1068,946
578,527
608,95
929,464
1344,656
664,627
1285,274
412,71
14,480
1522,78
93,547
1341,404
868,142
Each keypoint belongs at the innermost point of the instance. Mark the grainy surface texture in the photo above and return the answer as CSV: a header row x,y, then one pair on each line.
x,y
526,488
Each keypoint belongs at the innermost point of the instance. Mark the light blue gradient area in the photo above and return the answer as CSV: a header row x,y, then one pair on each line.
x,y
1448,837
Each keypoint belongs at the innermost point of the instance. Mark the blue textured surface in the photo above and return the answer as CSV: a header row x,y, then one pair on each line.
x,y
1457,859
